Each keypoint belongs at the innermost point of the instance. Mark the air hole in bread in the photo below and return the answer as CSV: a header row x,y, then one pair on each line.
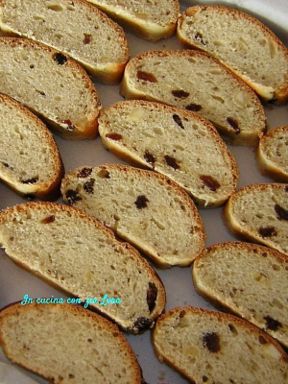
x,y
267,231
178,120
233,329
32,180
180,94
59,58
282,213
55,7
210,182
146,76
193,107
151,296
172,162
114,136
272,324
149,157
234,124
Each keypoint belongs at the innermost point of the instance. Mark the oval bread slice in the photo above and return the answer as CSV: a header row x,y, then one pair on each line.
x,y
242,43
30,162
171,141
152,20
81,256
272,153
76,28
259,212
249,280
213,347
51,85
195,81
67,344
143,207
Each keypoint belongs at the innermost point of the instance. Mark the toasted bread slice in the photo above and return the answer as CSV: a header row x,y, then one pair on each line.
x,y
143,207
81,256
152,20
213,347
259,212
67,344
195,81
51,85
76,28
242,43
249,280
272,154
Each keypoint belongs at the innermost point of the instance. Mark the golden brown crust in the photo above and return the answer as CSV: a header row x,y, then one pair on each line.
x,y
87,130
17,308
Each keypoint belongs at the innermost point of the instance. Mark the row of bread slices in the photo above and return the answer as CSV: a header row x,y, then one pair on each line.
x,y
68,344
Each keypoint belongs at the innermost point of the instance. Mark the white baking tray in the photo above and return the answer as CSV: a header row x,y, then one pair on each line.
x,y
15,282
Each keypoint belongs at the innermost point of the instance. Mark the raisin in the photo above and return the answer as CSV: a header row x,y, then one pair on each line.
x,y
114,136
282,213
267,231
87,38
204,379
103,173
33,180
272,324
69,124
151,296
59,58
172,162
48,219
141,202
178,120
89,186
262,340
85,172
234,124
180,94
194,107
142,323
146,76
182,314
5,164
72,196
212,342
210,182
199,37
71,376
149,157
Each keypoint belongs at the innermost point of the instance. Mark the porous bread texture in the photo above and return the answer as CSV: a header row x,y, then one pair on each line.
x,y
67,344
259,212
151,19
75,28
51,85
242,43
176,143
272,154
30,162
249,280
214,347
81,256
142,207
195,81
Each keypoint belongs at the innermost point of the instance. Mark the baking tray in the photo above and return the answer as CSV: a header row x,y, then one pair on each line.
x,y
15,282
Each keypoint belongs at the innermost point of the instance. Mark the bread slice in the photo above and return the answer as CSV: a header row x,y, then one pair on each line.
x,y
51,85
213,347
30,162
82,257
76,28
259,212
197,82
171,141
249,280
242,43
67,344
152,20
143,207
272,154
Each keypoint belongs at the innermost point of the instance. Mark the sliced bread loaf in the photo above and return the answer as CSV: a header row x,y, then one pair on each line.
x,y
67,344
272,153
143,207
213,347
249,280
29,159
151,19
242,43
76,28
171,141
81,256
51,85
259,212
195,81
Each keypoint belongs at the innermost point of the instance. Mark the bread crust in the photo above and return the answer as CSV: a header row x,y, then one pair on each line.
x,y
84,130
281,93
16,308
128,92
58,208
